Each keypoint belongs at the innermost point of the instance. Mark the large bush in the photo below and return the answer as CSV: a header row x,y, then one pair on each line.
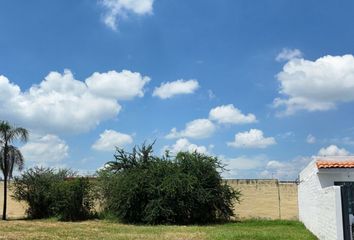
x,y
51,193
73,199
140,188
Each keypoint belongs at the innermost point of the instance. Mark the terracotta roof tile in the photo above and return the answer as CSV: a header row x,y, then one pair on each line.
x,y
334,164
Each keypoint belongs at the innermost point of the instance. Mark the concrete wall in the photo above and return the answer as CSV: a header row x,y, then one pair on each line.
x,y
266,199
320,207
15,209
260,199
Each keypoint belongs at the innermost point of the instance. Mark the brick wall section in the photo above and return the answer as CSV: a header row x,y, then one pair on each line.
x,y
269,199
260,199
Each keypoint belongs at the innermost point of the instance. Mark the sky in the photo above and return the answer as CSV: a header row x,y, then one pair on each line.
x,y
262,85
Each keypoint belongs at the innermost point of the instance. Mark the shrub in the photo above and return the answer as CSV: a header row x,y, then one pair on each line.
x,y
34,187
51,193
140,188
73,199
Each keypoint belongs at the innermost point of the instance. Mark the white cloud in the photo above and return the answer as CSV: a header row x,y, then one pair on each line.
x,y
60,103
245,162
110,139
171,89
316,85
7,89
123,85
287,170
288,54
243,166
199,128
310,139
47,150
252,139
183,145
260,166
230,114
333,150
122,8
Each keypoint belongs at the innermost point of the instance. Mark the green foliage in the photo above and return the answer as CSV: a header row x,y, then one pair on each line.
x,y
51,193
73,199
141,188
35,186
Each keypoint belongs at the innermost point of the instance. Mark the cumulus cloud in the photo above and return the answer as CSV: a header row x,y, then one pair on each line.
x,y
123,85
244,166
245,162
171,89
230,115
199,128
310,139
7,89
285,170
260,166
122,8
315,85
183,145
60,103
251,139
333,150
110,139
47,150
287,54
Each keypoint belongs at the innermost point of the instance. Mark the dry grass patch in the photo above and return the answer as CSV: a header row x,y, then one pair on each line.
x,y
99,229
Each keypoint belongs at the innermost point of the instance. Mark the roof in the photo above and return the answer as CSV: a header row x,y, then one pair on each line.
x,y
334,164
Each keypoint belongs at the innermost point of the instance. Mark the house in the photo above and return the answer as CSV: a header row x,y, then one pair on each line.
x,y
326,197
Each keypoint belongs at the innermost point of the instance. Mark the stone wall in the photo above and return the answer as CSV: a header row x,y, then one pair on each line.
x,y
269,199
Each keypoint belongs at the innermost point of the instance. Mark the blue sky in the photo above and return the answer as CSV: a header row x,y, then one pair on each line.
x,y
264,85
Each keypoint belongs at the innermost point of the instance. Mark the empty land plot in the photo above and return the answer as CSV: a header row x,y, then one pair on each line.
x,y
99,229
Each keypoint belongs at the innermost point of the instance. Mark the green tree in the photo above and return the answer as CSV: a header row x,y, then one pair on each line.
x,y
139,187
10,156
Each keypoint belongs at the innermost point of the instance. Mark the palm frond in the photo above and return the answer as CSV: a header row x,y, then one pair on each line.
x,y
14,159
9,133
4,129
21,134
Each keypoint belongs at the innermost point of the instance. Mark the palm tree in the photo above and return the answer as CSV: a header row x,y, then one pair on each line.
x,y
10,156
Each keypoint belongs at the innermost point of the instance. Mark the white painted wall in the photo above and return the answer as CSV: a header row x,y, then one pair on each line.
x,y
320,207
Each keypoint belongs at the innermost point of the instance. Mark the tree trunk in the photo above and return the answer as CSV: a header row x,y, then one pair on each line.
x,y
5,198
5,182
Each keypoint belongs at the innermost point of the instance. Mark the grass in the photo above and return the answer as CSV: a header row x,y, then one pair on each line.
x,y
100,229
